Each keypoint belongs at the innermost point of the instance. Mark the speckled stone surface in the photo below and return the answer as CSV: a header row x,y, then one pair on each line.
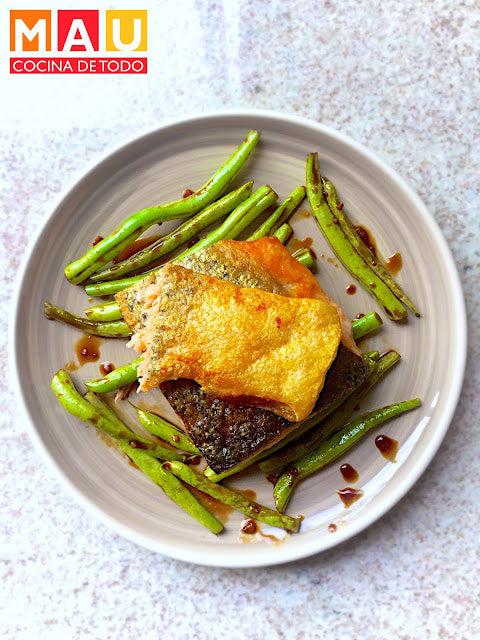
x,y
401,77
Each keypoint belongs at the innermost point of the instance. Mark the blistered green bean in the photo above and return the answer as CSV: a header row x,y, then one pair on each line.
x,y
138,223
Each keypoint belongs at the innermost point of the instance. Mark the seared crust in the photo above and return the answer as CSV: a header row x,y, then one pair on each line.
x,y
130,306
236,341
229,433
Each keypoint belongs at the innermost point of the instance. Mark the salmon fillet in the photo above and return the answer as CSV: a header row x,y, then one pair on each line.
x,y
270,350
226,432
229,433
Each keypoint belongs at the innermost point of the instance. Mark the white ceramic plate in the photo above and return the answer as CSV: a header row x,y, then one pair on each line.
x,y
157,168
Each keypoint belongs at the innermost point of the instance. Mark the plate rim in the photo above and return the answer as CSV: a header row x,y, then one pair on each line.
x,y
283,554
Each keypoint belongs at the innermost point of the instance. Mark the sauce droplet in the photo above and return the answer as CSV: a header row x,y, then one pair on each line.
x,y
192,241
351,289
217,508
106,367
349,473
303,213
70,366
87,349
367,238
388,447
348,495
297,244
271,477
394,263
332,528
248,493
249,526
187,192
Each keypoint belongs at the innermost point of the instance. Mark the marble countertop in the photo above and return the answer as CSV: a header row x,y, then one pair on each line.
x,y
400,77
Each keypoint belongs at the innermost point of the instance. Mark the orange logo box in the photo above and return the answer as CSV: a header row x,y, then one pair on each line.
x,y
31,31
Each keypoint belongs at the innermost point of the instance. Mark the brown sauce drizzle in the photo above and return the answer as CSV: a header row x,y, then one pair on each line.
x,y
250,531
187,192
192,241
134,247
388,447
70,366
248,493
348,495
297,244
332,261
106,439
303,213
249,526
135,444
216,508
349,473
87,349
97,240
106,367
367,238
351,289
394,263
332,528
273,478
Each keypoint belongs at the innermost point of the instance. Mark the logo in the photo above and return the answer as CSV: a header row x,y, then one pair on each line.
x,y
78,41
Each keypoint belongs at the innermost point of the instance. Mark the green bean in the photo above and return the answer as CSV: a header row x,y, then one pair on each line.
x,y
104,410
334,447
349,230
339,242
305,257
165,430
366,324
116,329
238,220
233,499
325,428
107,311
179,236
115,379
172,486
280,215
302,427
111,287
139,222
77,406
283,233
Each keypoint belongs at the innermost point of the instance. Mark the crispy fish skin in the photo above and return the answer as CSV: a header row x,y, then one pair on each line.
x,y
209,330
223,260
229,433
265,264
261,264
